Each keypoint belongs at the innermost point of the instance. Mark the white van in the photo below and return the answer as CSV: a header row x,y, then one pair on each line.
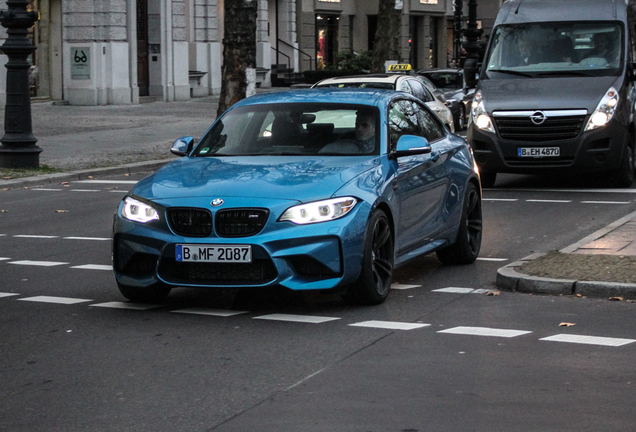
x,y
555,91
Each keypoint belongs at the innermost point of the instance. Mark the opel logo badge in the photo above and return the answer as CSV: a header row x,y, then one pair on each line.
x,y
216,202
538,117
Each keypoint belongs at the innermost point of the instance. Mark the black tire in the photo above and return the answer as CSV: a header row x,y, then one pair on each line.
x,y
624,176
376,275
466,248
488,178
156,293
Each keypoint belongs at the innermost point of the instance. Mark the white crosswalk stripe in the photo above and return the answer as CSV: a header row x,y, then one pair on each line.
x,y
51,299
485,331
589,340
389,325
297,318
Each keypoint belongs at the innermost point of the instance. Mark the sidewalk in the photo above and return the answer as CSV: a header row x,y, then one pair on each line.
x,y
104,140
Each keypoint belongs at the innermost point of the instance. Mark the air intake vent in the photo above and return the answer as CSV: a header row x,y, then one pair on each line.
x,y
240,222
190,222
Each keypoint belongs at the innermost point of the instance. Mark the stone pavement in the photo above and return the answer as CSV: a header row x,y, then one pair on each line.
x,y
101,140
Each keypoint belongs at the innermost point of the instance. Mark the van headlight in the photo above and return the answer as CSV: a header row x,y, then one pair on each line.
x,y
479,115
604,111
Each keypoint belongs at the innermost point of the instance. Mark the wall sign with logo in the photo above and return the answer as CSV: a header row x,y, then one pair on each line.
x,y
81,63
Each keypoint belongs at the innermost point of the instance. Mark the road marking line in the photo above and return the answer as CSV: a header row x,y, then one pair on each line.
x,y
47,189
209,311
548,201
107,181
399,286
85,190
389,325
589,340
485,331
87,238
119,191
35,236
126,305
58,300
4,294
93,267
492,259
454,290
500,199
4,259
296,318
39,263
606,202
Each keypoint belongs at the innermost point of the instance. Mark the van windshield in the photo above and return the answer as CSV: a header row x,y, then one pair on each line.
x,y
555,49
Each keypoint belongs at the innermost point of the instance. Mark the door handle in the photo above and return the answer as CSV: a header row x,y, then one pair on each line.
x,y
435,156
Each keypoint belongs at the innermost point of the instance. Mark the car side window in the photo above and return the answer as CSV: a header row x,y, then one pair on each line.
x,y
410,118
405,87
420,91
403,120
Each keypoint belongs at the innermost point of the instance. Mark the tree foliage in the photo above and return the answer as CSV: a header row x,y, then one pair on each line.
x,y
239,50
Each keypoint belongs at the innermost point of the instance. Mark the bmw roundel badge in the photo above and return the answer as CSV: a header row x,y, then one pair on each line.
x,y
216,202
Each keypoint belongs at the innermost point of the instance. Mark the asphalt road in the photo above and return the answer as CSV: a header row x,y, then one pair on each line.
x,y
446,352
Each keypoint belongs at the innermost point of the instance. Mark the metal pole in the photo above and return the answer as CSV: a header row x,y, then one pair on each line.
x,y
18,149
471,67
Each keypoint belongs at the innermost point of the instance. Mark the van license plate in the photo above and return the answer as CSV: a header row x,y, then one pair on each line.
x,y
213,253
538,151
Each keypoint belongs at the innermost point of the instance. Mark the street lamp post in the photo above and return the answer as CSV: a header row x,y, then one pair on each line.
x,y
18,149
472,33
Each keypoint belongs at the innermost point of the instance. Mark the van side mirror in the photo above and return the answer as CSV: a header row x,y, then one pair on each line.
x,y
182,146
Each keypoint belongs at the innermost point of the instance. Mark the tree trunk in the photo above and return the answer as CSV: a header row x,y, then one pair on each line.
x,y
386,44
239,50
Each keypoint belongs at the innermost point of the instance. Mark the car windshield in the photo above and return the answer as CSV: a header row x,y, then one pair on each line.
x,y
293,129
446,80
555,49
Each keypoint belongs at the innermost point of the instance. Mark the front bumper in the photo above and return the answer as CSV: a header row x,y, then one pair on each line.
x,y
591,151
317,256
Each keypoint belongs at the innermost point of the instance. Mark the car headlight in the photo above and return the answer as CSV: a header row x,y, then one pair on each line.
x,y
604,111
479,115
319,211
137,211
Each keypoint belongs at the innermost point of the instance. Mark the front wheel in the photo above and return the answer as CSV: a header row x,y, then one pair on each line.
x,y
155,293
374,283
466,248
624,176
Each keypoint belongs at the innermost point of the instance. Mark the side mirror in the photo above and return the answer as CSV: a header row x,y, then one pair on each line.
x,y
182,146
410,145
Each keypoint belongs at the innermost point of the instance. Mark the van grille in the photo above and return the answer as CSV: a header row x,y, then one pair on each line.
x,y
521,128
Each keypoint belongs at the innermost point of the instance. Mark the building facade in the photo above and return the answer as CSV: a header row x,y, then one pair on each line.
x,y
102,52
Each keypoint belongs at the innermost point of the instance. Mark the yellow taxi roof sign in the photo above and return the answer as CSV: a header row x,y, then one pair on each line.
x,y
400,67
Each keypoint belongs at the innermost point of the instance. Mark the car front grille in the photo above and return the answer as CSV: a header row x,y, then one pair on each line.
x,y
258,272
554,128
240,222
190,222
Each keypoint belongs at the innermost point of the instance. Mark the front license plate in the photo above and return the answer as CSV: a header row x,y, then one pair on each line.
x,y
538,151
214,253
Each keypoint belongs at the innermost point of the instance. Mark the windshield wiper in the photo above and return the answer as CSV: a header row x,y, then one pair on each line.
x,y
512,72
566,73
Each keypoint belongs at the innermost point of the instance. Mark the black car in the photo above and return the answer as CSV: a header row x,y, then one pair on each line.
x,y
458,98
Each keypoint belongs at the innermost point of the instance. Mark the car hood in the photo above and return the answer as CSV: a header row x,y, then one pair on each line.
x,y
544,93
298,178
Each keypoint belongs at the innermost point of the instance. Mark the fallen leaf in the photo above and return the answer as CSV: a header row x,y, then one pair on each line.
x,y
90,177
4,211
61,211
566,324
127,175
616,298
6,189
7,178
493,293
64,183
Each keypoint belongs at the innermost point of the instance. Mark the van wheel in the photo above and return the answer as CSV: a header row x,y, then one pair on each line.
x,y
488,178
624,176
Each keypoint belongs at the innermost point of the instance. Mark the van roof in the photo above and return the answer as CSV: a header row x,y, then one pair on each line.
x,y
523,11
